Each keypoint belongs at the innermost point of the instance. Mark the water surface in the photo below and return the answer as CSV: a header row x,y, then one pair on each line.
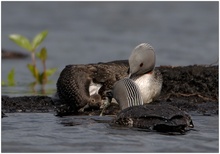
x,y
44,132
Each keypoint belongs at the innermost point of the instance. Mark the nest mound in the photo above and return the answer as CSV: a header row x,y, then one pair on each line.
x,y
190,88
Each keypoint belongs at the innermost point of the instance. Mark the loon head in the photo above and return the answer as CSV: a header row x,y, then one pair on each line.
x,y
142,60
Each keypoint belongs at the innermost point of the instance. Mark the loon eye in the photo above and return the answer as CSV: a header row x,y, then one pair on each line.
x,y
141,64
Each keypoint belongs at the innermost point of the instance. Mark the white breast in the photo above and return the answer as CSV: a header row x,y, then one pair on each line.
x,y
94,88
148,87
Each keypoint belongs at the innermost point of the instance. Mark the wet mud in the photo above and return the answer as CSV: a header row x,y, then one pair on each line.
x,y
11,54
190,88
27,104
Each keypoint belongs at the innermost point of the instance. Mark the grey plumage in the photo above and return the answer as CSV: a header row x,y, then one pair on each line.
x,y
74,82
127,93
147,81
142,60
142,70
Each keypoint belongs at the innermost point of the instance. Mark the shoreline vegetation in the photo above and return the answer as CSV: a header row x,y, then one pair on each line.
x,y
191,88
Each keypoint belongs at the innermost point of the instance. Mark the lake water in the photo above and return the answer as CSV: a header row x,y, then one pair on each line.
x,y
44,132
182,33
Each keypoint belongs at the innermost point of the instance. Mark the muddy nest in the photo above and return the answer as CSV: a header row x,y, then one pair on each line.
x,y
27,104
190,88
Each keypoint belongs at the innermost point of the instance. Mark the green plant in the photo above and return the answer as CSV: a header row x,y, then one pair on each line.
x,y
31,46
10,79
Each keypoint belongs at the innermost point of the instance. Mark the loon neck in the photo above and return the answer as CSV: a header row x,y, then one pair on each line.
x,y
150,72
134,76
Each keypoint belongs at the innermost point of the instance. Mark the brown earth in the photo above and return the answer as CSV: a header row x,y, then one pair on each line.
x,y
9,54
190,88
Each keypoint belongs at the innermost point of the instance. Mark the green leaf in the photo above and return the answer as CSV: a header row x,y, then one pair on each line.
x,y
42,54
33,70
42,78
11,80
38,39
21,41
50,71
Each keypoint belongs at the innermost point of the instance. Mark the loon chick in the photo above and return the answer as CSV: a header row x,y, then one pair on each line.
x,y
141,70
